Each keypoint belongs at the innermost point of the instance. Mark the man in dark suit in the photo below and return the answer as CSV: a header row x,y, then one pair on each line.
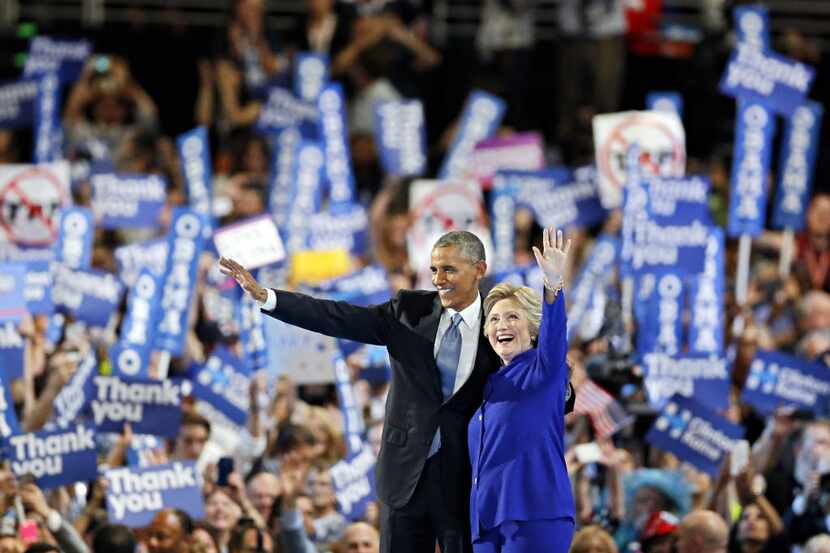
x,y
439,366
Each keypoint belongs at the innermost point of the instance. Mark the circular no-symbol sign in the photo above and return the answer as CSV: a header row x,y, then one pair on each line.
x,y
29,204
662,150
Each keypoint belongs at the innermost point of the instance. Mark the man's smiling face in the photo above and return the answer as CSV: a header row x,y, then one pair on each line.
x,y
455,277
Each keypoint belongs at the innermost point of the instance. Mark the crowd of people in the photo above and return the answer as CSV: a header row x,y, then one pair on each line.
x,y
280,495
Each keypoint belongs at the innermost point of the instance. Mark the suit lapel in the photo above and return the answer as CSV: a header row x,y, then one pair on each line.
x,y
428,328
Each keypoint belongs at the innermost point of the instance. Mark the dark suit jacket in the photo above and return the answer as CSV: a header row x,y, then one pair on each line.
x,y
406,325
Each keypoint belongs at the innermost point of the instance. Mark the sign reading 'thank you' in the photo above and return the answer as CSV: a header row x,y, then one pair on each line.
x,y
135,494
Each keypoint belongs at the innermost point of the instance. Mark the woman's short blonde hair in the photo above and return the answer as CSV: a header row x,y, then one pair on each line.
x,y
528,299
593,537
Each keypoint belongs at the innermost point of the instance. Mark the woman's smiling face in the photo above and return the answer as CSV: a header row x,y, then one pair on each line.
x,y
508,329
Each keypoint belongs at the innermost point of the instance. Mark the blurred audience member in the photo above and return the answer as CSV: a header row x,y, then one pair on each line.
x,y
702,532
106,103
246,64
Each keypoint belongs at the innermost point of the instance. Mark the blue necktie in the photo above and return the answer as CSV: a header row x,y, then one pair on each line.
x,y
449,352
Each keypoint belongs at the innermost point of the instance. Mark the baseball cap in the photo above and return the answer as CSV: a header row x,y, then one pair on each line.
x,y
660,523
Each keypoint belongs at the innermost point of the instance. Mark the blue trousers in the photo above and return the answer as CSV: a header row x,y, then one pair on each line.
x,y
532,536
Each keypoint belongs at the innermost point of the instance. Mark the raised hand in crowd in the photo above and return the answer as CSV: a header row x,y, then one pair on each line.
x,y
34,500
236,489
61,367
243,277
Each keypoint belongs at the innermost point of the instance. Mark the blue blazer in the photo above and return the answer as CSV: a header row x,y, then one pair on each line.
x,y
516,437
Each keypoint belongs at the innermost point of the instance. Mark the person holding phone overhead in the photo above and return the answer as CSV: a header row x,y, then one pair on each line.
x,y
521,499
439,366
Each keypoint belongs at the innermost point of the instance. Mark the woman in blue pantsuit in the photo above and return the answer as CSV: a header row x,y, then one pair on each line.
x,y
521,500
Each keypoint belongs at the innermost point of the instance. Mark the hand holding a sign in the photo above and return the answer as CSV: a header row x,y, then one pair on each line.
x,y
243,277
553,261
34,500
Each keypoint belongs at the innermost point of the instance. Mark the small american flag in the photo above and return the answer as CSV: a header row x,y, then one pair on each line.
x,y
607,415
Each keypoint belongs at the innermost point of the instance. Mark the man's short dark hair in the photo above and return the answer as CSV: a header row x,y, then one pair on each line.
x,y
114,538
189,418
184,520
469,244
292,436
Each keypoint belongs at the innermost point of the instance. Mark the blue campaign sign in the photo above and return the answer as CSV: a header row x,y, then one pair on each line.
x,y
128,200
311,74
352,419
220,300
252,333
683,199
224,382
660,323
37,289
194,152
702,377
354,482
185,242
694,434
665,101
133,258
8,419
282,110
305,194
754,130
73,399
76,230
481,117
366,286
668,243
47,127
131,355
282,172
129,359
503,206
141,448
760,76
149,406
12,292
706,298
65,57
11,351
17,103
776,379
593,276
558,197
343,227
56,458
88,295
400,136
338,166
135,494
797,163
752,25
665,222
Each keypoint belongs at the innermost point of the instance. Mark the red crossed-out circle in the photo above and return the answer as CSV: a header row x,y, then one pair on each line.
x,y
617,140
36,210
428,203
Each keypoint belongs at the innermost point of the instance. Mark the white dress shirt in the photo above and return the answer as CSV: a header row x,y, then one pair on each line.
x,y
470,328
270,301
